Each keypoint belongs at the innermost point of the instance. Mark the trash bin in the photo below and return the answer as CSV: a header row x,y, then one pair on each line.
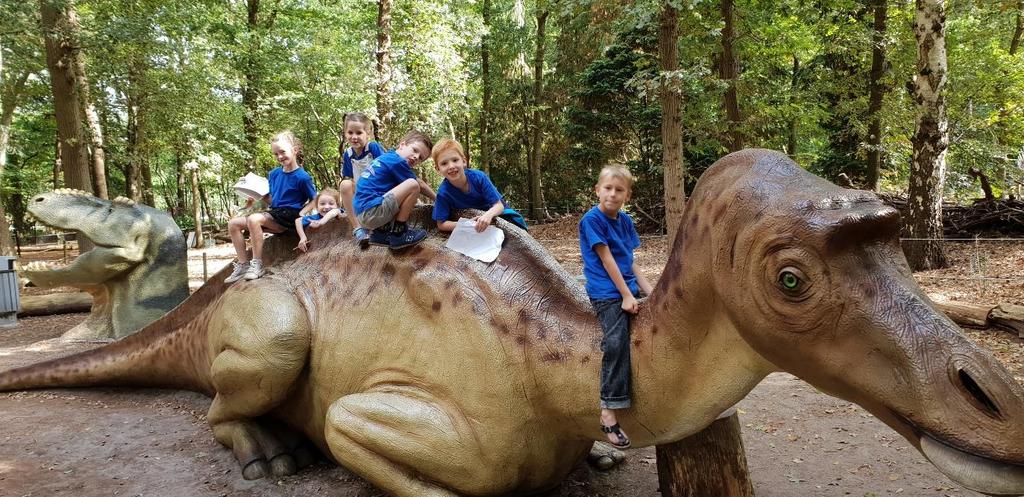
x,y
9,301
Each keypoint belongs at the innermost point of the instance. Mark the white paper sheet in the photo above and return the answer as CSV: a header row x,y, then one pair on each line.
x,y
253,186
481,246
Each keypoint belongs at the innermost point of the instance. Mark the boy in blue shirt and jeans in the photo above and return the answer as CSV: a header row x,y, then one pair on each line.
x,y
387,191
607,241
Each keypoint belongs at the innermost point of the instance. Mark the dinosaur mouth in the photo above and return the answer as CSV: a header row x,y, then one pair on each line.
x,y
42,266
975,472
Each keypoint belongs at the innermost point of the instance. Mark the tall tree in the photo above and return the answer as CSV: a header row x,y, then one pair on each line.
x,y
253,80
671,119
74,157
876,93
537,208
9,96
485,89
728,73
93,129
385,101
930,140
1018,30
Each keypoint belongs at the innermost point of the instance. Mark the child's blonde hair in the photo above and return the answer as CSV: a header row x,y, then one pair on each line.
x,y
445,145
331,192
287,135
417,136
616,171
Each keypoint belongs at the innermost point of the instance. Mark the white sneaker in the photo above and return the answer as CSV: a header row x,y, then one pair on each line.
x,y
255,269
240,269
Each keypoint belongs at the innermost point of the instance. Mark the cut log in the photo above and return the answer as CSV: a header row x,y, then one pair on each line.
x,y
1009,317
54,303
710,462
964,314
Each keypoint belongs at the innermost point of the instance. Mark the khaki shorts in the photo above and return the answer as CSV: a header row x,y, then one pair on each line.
x,y
378,216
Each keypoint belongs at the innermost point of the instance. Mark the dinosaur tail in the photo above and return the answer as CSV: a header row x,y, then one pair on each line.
x,y
171,352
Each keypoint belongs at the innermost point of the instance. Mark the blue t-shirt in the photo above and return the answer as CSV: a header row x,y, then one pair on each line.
x,y
383,174
292,189
482,195
352,165
619,235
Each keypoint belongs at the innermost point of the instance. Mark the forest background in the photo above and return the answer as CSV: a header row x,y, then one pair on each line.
x,y
170,102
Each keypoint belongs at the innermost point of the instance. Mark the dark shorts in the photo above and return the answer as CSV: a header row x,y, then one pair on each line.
x,y
285,216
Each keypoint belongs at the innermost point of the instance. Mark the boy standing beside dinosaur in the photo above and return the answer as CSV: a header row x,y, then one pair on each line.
x,y
607,241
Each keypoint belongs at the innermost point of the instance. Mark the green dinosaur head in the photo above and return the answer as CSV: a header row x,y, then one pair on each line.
x,y
119,229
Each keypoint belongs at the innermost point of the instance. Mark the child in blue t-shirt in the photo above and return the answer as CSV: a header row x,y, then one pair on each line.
x,y
607,241
291,192
465,189
361,152
326,209
387,192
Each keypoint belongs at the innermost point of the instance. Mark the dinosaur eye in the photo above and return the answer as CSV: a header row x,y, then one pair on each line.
x,y
791,280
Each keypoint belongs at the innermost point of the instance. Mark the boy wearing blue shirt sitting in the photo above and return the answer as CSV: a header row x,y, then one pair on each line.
x,y
387,191
607,241
465,189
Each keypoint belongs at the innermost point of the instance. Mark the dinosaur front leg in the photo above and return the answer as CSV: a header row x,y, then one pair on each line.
x,y
263,341
394,439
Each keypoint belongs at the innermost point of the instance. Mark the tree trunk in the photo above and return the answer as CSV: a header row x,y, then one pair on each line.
x,y
94,131
537,208
135,148
196,206
671,121
54,303
180,177
876,92
485,83
252,73
709,463
147,184
71,137
986,185
74,157
1018,30
794,87
728,73
385,105
8,102
930,140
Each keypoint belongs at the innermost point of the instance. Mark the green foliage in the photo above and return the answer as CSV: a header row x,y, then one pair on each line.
x,y
179,68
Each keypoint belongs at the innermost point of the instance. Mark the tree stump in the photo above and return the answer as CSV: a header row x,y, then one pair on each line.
x,y
711,462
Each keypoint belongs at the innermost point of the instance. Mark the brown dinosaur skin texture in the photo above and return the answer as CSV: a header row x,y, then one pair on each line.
x,y
429,373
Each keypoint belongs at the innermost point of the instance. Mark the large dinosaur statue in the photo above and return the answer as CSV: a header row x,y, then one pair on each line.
x,y
430,374
136,273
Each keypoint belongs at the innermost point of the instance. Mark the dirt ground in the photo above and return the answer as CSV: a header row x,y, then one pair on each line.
x,y
131,442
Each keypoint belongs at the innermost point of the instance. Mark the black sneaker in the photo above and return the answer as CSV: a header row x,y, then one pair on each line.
x,y
381,236
406,238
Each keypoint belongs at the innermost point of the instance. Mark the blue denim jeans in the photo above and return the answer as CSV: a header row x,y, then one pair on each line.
x,y
615,364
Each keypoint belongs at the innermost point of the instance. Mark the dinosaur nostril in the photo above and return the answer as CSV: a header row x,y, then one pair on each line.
x,y
977,394
38,199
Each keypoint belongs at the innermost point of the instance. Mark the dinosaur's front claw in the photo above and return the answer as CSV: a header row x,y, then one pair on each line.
x,y
256,470
283,465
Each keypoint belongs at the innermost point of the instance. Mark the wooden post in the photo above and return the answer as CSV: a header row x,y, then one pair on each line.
x,y
64,242
205,277
710,462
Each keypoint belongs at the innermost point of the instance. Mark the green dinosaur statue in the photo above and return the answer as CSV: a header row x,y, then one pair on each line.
x,y
430,374
136,273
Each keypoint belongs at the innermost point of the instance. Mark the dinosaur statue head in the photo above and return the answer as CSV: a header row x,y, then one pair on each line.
x,y
118,229
821,289
136,272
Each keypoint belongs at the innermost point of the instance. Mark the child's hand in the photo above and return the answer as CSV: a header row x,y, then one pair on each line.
x,y
303,244
630,305
482,222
